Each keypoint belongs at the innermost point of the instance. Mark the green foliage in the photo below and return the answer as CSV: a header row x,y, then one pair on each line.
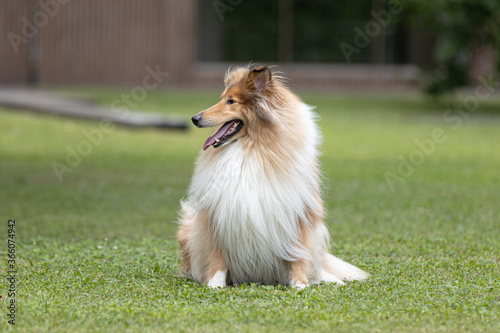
x,y
250,31
463,27
103,258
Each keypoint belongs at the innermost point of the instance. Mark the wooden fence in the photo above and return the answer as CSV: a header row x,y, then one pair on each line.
x,y
53,42
13,64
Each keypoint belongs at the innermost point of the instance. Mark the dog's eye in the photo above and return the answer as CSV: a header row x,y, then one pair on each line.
x,y
230,101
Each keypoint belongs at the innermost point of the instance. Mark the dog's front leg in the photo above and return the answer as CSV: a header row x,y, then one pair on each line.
x,y
217,270
298,276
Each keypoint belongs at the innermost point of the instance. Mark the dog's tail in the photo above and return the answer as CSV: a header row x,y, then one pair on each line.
x,y
343,270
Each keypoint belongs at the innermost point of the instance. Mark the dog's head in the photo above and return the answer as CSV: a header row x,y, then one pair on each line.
x,y
244,103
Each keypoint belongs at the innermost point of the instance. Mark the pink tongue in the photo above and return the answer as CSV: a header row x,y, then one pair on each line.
x,y
220,133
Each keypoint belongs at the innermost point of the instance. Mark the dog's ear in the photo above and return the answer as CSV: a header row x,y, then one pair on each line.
x,y
260,76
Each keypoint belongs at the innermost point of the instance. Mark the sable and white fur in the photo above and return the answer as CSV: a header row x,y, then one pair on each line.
x,y
255,212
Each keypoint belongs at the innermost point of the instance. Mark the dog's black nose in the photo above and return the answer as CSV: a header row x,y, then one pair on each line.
x,y
196,119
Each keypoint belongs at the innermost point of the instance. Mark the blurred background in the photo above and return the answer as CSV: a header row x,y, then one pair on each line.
x,y
360,44
411,183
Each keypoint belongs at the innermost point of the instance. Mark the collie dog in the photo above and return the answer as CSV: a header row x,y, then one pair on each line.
x,y
255,212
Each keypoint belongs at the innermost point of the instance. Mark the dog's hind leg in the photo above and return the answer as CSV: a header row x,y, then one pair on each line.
x,y
184,234
201,259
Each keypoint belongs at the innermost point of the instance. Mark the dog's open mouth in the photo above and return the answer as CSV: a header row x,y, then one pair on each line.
x,y
223,134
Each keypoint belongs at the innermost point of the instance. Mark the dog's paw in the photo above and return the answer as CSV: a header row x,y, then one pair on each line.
x,y
216,284
218,280
299,285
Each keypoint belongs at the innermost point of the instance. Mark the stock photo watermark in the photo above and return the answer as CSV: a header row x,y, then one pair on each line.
x,y
372,29
93,138
31,28
454,116
11,272
222,6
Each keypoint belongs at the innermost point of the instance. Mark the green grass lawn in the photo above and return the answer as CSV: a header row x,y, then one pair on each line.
x,y
95,252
